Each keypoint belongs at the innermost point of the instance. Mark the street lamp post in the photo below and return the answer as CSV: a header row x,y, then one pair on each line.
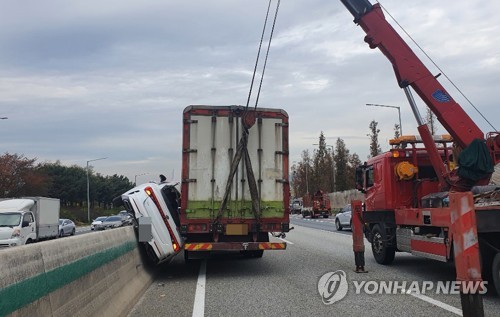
x,y
88,186
333,166
135,178
395,107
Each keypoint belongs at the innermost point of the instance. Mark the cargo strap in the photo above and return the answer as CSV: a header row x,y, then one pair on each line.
x,y
248,120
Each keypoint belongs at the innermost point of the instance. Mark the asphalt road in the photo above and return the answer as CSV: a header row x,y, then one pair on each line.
x,y
327,224
285,283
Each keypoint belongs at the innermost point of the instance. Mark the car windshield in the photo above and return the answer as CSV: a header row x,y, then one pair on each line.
x,y
61,221
114,218
100,218
10,219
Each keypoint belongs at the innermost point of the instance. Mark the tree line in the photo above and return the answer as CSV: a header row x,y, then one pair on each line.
x,y
21,176
329,169
332,169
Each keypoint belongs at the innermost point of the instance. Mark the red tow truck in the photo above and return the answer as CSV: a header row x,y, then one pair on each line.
x,y
316,205
415,193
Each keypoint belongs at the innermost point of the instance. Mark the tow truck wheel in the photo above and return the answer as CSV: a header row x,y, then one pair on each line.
x,y
495,272
382,253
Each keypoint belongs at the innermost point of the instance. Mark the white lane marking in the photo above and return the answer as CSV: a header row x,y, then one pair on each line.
x,y
285,240
437,303
199,297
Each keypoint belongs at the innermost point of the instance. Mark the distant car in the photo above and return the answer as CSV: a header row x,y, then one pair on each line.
x,y
126,218
296,207
109,223
96,222
343,218
66,227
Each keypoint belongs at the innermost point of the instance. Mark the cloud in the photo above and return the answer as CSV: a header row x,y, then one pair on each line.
x,y
87,79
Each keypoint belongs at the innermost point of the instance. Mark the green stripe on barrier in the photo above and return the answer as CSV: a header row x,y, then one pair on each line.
x,y
18,295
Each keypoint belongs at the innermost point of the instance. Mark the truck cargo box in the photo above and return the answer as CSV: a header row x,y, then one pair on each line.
x,y
210,141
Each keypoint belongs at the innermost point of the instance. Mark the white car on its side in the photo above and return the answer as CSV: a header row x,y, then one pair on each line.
x,y
158,230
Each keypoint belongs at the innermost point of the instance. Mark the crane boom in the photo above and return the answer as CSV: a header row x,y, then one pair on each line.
x,y
410,71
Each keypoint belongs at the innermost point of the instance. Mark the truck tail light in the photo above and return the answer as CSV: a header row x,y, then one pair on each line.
x,y
197,227
151,194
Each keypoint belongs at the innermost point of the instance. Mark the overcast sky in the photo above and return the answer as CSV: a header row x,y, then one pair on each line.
x,y
81,80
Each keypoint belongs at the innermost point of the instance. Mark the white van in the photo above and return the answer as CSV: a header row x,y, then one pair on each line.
x,y
27,220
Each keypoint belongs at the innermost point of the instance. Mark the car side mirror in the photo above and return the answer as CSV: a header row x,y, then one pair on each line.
x,y
359,181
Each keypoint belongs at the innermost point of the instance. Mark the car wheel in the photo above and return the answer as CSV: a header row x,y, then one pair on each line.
x,y
61,234
73,232
338,226
382,253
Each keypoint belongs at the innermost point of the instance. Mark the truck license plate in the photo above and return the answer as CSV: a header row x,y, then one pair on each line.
x,y
236,229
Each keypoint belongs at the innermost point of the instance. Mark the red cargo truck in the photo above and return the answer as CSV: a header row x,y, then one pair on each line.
x,y
235,188
316,205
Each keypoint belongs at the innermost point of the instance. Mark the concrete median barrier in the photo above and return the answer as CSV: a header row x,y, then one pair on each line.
x,y
87,275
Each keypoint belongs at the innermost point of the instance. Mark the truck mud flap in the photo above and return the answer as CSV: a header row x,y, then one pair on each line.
x,y
234,246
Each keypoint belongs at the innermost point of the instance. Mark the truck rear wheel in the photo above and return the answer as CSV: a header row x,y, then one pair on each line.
x,y
253,253
495,272
382,253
